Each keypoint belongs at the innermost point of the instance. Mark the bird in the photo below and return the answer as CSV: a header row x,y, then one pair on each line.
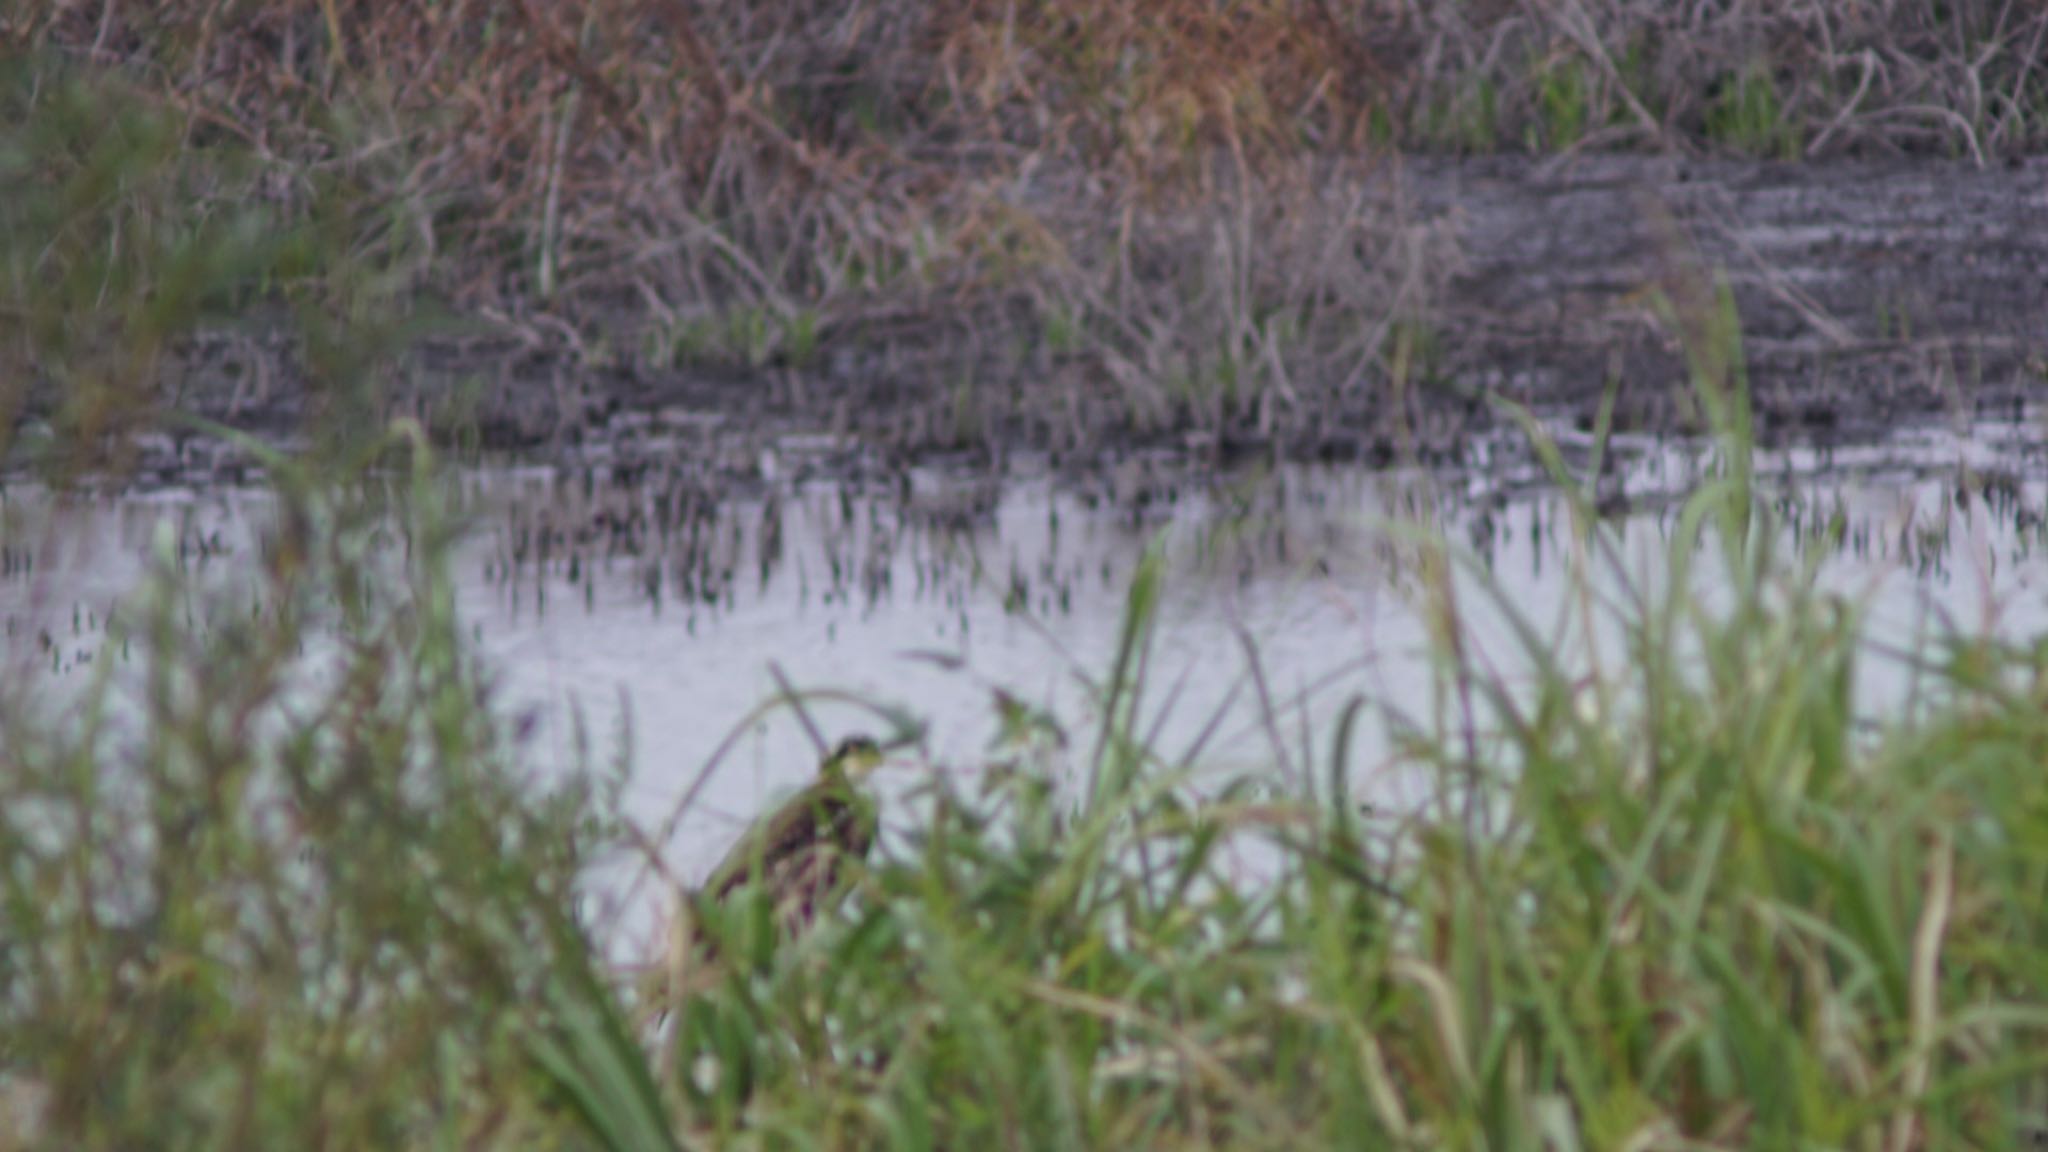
x,y
796,854
796,857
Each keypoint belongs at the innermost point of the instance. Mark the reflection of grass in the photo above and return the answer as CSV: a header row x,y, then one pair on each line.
x,y
282,881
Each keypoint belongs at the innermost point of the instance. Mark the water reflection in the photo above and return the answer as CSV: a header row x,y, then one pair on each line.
x,y
636,597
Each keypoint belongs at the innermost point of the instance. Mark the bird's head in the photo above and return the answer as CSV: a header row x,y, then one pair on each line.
x,y
854,758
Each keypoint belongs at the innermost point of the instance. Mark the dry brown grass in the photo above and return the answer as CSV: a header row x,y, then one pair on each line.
x,y
663,180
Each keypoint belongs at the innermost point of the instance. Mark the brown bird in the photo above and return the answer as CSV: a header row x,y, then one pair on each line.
x,y
797,853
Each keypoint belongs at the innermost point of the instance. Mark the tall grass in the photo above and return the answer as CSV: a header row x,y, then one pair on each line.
x,y
1703,897
272,877
271,873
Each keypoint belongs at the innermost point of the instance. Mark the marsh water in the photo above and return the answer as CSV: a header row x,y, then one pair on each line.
x,y
629,614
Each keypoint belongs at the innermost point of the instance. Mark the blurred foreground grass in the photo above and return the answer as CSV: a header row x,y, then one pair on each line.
x,y
282,881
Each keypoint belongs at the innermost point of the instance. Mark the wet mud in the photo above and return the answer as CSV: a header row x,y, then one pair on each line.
x,y
1869,296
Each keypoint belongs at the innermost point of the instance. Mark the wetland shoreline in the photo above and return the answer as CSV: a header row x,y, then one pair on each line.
x,y
1869,294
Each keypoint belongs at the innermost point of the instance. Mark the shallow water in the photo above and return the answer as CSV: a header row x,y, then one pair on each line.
x,y
619,599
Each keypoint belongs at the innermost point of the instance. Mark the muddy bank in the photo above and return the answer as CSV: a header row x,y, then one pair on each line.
x,y
1868,294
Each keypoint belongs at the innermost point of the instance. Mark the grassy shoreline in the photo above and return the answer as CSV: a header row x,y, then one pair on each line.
x,y
1136,197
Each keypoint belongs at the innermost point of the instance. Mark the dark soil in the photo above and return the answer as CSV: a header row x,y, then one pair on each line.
x,y
1869,295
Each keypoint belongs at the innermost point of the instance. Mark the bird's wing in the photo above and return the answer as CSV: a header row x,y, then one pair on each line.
x,y
789,829
853,827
